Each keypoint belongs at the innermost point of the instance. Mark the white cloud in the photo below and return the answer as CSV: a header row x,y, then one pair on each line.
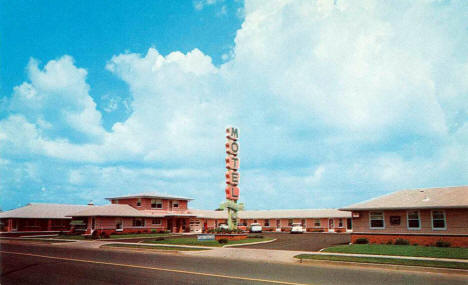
x,y
332,100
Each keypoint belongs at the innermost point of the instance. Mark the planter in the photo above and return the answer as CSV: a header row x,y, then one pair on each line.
x,y
230,236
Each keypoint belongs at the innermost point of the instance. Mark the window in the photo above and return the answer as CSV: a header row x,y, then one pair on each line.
x,y
395,220
156,221
376,220
267,223
413,220
244,223
317,223
156,204
303,221
138,222
139,202
175,204
118,225
438,220
290,222
278,223
340,223
255,221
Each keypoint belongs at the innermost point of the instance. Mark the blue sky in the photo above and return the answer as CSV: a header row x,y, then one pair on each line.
x,y
336,103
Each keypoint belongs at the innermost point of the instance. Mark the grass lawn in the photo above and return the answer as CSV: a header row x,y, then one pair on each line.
x,y
121,236
35,240
403,250
138,235
77,237
383,260
155,247
194,241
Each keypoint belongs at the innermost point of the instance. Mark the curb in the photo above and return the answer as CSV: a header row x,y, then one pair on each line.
x,y
250,243
385,266
418,258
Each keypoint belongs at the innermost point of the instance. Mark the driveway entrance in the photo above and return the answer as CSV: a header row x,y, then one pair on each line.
x,y
305,242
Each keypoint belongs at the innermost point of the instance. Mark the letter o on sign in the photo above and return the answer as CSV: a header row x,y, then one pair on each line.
x,y
232,147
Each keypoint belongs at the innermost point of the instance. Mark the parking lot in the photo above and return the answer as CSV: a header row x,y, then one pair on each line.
x,y
306,241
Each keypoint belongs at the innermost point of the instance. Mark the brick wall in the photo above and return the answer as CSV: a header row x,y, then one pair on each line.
x,y
455,241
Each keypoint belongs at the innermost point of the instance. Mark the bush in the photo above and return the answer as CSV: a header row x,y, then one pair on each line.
x,y
223,241
390,242
415,244
95,235
159,238
256,236
361,241
105,235
153,231
400,241
442,243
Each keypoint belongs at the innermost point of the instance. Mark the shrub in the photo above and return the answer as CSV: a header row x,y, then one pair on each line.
x,y
256,236
361,241
95,235
223,240
442,243
159,238
415,244
390,242
104,235
400,241
153,231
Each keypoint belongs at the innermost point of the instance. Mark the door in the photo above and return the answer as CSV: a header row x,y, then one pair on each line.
x,y
349,224
169,225
331,224
93,223
14,225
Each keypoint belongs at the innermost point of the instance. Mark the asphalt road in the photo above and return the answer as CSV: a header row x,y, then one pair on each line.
x,y
302,242
48,264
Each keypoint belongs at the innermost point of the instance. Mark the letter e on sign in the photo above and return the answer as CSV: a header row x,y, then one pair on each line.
x,y
232,133
232,177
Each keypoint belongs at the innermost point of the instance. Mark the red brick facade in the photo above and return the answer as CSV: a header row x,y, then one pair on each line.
x,y
455,241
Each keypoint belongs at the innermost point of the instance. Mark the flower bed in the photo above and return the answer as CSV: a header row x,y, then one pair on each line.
x,y
230,236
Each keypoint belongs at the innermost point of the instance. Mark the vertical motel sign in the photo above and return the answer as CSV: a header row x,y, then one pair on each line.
x,y
232,176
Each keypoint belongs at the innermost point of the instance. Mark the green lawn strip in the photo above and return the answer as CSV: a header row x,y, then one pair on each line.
x,y
402,250
155,247
35,240
194,241
383,260
77,237
124,236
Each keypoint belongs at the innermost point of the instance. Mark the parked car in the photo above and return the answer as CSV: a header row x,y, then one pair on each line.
x,y
223,227
297,228
255,228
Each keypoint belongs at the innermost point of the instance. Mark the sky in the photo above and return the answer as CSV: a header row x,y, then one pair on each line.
x,y
336,101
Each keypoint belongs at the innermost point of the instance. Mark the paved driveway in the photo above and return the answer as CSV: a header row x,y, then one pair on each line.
x,y
303,242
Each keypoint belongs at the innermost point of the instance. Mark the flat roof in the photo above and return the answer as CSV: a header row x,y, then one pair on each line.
x,y
422,198
149,195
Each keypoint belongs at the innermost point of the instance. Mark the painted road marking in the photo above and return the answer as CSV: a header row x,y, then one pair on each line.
x,y
157,268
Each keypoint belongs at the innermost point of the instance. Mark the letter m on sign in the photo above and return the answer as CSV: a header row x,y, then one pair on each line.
x,y
232,133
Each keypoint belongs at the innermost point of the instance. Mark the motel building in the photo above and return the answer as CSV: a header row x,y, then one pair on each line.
x,y
420,216
150,212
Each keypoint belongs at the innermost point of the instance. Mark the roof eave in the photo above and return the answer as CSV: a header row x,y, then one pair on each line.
x,y
403,208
